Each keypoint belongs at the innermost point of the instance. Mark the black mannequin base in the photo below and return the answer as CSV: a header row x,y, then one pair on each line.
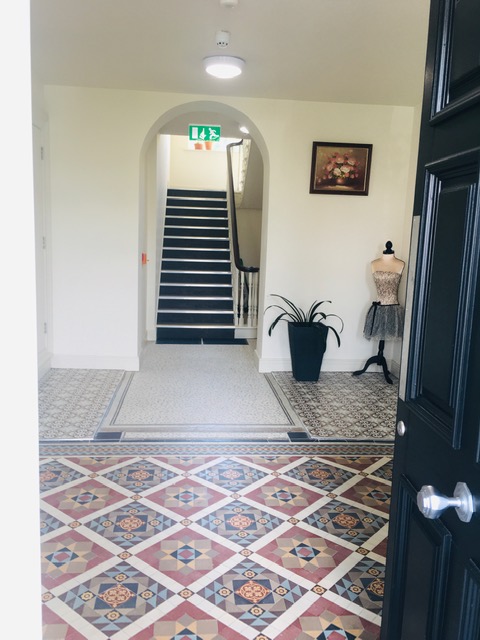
x,y
379,359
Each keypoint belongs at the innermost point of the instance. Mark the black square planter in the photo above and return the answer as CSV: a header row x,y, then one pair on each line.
x,y
307,346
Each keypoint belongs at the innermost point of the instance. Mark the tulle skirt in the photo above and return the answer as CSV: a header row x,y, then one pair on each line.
x,y
384,322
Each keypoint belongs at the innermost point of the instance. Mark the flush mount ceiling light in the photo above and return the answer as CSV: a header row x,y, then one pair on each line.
x,y
224,66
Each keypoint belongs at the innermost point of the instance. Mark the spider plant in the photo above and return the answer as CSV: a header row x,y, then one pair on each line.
x,y
295,315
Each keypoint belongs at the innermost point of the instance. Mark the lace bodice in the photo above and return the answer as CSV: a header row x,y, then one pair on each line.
x,y
387,283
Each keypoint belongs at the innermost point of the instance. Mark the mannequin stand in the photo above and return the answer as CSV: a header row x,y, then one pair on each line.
x,y
378,359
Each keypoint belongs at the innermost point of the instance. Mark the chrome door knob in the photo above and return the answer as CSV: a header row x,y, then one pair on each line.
x,y
401,428
432,504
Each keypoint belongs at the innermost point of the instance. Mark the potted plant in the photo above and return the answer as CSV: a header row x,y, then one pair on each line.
x,y
307,334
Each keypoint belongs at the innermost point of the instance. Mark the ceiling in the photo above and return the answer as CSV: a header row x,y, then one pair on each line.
x,y
354,51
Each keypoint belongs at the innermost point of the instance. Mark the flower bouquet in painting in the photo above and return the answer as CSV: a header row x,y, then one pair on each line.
x,y
340,168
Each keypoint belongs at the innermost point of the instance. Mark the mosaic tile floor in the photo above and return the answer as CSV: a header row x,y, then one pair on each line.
x,y
89,404
209,541
321,407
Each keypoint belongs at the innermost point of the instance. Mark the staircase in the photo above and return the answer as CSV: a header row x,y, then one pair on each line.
x,y
195,300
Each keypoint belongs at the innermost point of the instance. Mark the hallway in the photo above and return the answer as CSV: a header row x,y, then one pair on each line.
x,y
213,393
205,531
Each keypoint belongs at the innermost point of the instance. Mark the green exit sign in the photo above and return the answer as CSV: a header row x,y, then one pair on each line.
x,y
204,132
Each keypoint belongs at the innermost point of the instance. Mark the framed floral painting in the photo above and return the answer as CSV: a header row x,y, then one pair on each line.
x,y
340,169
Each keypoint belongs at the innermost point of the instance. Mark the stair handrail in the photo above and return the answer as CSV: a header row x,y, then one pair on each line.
x,y
245,284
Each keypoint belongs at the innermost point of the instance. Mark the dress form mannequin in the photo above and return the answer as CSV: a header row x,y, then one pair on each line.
x,y
385,317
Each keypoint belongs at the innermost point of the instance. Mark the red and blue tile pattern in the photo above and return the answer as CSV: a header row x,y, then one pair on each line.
x,y
225,542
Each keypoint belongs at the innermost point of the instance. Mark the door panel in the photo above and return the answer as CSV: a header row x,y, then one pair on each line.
x,y
432,578
444,292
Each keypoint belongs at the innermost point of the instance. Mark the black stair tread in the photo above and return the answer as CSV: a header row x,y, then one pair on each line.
x,y
188,333
221,285
207,280
195,304
200,193
196,272
195,322
219,214
194,299
192,266
178,325
197,261
201,203
191,221
198,251
206,233
194,311
198,242
224,291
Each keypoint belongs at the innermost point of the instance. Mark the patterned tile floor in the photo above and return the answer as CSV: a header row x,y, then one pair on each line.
x,y
213,542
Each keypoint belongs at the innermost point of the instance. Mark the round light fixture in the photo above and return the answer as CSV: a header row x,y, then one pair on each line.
x,y
224,66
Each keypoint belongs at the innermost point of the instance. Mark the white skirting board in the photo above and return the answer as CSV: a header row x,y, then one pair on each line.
x,y
124,363
267,365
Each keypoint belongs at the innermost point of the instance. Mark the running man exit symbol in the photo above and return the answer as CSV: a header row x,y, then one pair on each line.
x,y
204,132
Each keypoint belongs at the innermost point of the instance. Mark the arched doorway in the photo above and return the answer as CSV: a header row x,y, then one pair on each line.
x,y
155,164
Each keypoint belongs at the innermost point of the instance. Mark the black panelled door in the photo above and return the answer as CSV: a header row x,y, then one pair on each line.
x,y
433,561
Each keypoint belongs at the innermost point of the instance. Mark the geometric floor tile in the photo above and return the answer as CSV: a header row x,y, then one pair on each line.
x,y
364,584
356,463
346,522
98,464
371,493
84,499
240,523
340,406
186,497
187,622
231,475
130,524
326,620
55,474
385,471
307,555
273,462
320,475
48,523
185,556
56,628
69,555
211,557
381,548
284,496
139,476
115,598
252,594
185,463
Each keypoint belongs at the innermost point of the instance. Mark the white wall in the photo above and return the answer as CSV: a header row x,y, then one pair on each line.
x,y
19,405
148,232
314,246
249,222
320,246
196,169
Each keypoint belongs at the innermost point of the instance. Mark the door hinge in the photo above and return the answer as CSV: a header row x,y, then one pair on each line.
x,y
45,327
44,242
42,153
